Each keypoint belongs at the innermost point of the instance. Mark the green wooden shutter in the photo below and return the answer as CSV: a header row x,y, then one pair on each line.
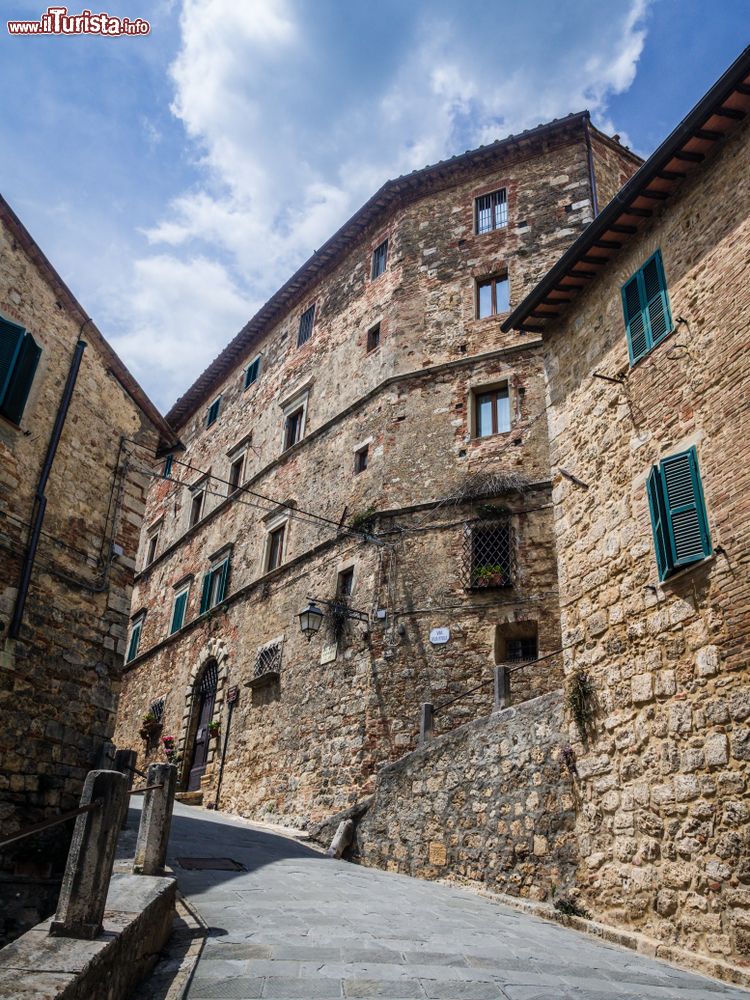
x,y
658,525
178,616
636,319
223,570
686,511
168,466
657,301
206,592
135,637
23,375
11,339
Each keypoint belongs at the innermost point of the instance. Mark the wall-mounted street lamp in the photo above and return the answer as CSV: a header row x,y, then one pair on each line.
x,y
311,617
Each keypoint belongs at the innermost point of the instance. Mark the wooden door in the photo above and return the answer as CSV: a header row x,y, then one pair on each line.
x,y
200,746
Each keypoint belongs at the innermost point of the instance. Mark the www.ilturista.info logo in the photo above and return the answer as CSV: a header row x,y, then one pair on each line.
x,y
57,21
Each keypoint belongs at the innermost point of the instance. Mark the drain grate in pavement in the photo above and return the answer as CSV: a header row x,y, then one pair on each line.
x,y
212,864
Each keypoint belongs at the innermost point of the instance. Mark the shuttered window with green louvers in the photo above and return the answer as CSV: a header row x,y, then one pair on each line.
x,y
678,513
19,357
645,302
214,586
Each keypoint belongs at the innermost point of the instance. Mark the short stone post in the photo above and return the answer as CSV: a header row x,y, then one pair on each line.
x,y
502,688
426,719
156,819
83,895
105,757
125,764
342,838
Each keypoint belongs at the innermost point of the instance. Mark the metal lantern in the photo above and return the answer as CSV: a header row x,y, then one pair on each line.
x,y
310,620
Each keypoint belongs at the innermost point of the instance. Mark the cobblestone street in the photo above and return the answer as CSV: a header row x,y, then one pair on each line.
x,y
296,925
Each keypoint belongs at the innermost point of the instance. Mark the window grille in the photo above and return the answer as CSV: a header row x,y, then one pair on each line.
x,y
268,660
520,650
157,709
210,678
488,554
379,259
306,322
492,211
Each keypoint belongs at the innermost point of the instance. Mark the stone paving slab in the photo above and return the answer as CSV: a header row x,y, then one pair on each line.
x,y
297,925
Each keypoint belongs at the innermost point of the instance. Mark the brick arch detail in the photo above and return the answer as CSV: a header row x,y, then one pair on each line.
x,y
214,649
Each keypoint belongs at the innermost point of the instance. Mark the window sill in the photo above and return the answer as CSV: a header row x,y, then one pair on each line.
x,y
265,680
680,575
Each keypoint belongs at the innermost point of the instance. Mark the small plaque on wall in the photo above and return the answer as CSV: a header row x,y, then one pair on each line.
x,y
437,853
328,653
439,636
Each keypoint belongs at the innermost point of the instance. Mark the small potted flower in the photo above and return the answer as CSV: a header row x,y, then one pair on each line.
x,y
149,726
213,728
168,746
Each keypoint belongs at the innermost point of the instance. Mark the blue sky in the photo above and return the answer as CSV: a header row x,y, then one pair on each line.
x,y
176,180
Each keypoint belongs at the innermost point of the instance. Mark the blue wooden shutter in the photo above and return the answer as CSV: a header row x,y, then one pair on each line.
x,y
11,339
636,319
23,375
658,525
178,616
221,590
686,511
206,592
657,301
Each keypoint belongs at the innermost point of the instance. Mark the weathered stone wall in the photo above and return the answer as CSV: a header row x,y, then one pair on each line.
x,y
665,822
310,744
59,679
490,802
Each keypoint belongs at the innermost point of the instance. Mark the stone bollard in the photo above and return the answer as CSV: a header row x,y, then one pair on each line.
x,y
83,895
425,722
502,689
156,819
105,757
124,763
342,838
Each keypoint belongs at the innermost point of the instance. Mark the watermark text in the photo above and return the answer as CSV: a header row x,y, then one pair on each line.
x,y
57,21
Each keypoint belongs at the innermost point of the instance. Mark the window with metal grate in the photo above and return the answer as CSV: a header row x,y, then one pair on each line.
x,y
306,323
268,660
157,709
379,259
491,211
488,555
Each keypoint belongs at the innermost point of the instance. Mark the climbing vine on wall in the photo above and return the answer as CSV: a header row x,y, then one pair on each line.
x,y
580,699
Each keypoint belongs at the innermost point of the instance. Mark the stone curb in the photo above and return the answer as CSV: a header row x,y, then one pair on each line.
x,y
173,973
712,968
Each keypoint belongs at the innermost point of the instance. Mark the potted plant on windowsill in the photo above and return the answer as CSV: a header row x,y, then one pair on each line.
x,y
213,728
490,576
149,726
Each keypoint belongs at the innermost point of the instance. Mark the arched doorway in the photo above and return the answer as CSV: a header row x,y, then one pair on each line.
x,y
204,694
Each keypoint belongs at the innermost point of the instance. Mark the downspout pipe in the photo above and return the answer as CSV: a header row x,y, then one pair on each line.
x,y
590,161
40,500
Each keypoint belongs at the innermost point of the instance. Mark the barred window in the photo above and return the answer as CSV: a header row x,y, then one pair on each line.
x,y
379,259
491,211
157,709
520,650
306,321
488,554
268,660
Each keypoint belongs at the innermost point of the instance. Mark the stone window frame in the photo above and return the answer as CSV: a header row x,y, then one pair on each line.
x,y
372,330
299,401
281,521
345,569
362,446
501,274
516,630
493,190
384,246
277,643
483,388
152,542
199,486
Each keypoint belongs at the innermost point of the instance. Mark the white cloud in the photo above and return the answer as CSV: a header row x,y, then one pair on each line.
x,y
290,145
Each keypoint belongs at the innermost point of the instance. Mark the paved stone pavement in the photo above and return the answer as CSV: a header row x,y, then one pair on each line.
x,y
297,925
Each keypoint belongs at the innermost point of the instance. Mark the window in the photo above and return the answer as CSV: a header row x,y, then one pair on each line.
x,y
379,259
196,507
156,708
252,372
213,412
167,470
178,612
306,323
152,545
345,584
360,459
678,513
135,638
235,474
491,211
520,650
275,548
373,338
19,357
492,412
493,296
488,554
268,660
645,302
293,427
214,586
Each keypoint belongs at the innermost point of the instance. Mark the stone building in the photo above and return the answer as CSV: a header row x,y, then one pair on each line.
x,y
74,427
645,322
371,439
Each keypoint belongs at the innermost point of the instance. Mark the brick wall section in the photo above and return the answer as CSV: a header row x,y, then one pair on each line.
x,y
663,829
59,680
310,745
491,803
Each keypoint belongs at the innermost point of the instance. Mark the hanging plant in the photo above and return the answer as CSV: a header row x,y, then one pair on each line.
x,y
363,521
580,699
213,728
149,725
336,619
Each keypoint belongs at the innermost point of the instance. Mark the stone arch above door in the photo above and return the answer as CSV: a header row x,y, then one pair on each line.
x,y
214,650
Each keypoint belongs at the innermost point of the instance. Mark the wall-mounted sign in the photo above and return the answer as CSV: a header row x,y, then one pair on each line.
x,y
439,636
233,694
328,653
